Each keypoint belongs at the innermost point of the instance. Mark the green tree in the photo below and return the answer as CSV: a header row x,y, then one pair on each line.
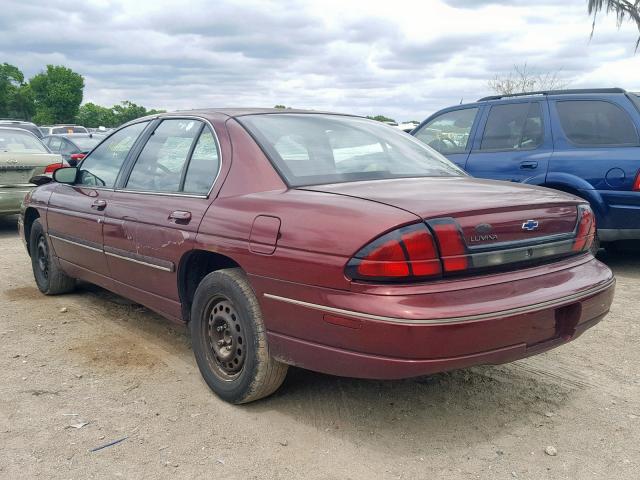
x,y
280,107
57,93
622,9
381,118
92,115
127,111
16,100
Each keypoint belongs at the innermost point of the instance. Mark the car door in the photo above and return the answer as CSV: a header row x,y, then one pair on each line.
x,y
154,215
75,213
450,133
514,143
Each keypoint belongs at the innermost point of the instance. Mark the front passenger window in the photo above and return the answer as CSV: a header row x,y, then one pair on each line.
x,y
102,166
449,133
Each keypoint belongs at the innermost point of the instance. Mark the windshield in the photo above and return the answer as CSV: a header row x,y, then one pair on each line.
x,y
310,149
15,141
69,129
86,143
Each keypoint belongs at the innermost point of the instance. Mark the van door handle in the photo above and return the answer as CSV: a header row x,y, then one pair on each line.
x,y
180,216
529,165
99,205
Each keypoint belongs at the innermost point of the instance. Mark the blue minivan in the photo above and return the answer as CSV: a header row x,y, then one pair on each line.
x,y
584,142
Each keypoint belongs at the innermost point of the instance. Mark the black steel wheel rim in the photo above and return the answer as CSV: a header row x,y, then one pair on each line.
x,y
225,338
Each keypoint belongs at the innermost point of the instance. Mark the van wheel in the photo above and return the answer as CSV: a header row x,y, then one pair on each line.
x,y
50,279
229,339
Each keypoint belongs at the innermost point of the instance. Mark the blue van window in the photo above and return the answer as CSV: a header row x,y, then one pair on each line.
x,y
513,126
449,133
595,122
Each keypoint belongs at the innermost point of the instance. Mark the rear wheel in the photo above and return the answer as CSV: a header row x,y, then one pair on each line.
x,y
50,279
229,339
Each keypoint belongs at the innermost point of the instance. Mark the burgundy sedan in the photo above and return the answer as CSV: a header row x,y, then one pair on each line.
x,y
328,242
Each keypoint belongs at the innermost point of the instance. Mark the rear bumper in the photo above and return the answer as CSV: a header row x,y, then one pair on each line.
x,y
11,199
437,331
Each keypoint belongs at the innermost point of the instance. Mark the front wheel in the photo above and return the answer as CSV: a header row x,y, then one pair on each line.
x,y
229,339
51,280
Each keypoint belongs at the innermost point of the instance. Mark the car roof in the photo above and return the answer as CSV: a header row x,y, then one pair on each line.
x,y
22,130
76,135
237,112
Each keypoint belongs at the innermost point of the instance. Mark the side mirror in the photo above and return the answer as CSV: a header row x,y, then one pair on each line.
x,y
66,175
40,179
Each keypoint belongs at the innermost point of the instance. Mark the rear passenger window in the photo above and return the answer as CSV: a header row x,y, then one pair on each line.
x,y
595,122
160,165
514,126
449,133
54,144
203,166
101,168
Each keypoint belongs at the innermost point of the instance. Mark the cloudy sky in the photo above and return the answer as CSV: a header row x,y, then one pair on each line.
x,y
403,59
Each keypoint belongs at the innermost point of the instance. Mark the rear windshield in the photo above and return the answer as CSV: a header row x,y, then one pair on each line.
x,y
15,141
69,130
86,143
310,149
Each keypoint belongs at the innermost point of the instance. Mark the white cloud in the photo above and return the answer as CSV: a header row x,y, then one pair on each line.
x,y
403,60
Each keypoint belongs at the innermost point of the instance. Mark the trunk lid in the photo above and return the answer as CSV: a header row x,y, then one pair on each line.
x,y
491,214
17,168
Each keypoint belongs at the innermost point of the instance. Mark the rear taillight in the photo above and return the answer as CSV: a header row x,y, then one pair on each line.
x,y
636,183
585,230
451,244
77,156
53,167
402,255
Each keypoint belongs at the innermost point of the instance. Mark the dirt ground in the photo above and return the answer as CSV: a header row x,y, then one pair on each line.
x,y
129,374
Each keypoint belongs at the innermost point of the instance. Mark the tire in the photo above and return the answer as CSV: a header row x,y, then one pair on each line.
x,y
229,339
50,279
595,245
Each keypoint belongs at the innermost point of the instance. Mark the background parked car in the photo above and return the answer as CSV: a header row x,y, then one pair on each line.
x,y
30,127
583,142
62,128
73,147
22,155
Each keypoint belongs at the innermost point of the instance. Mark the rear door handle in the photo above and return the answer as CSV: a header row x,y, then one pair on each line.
x,y
180,216
99,205
529,165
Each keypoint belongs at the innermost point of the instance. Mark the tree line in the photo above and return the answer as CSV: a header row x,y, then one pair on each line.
x,y
55,96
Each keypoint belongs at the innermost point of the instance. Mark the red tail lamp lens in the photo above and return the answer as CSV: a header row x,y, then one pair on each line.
x,y
77,156
403,254
452,247
53,167
585,230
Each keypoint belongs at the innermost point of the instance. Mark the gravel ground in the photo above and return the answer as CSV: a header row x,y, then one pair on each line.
x,y
115,370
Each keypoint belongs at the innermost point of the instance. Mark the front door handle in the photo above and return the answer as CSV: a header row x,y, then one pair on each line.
x,y
99,205
180,216
529,165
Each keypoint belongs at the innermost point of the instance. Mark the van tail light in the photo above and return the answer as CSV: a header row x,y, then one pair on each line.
x,y
77,156
636,183
53,167
586,229
451,243
406,254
